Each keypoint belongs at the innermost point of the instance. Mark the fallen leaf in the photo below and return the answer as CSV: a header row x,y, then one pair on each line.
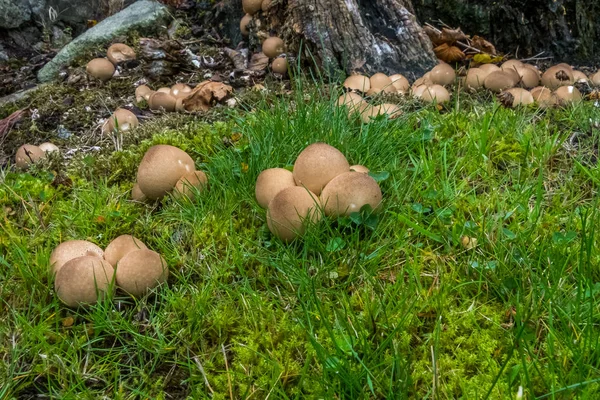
x,y
480,43
486,59
434,35
258,62
452,35
205,95
449,53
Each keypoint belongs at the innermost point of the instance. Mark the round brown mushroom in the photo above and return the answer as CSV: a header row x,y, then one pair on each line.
x,y
557,76
270,182
517,97
100,68
358,82
189,183
119,52
273,47
417,91
317,164
290,211
529,77
84,280
400,83
568,94
48,147
140,271
180,90
383,82
137,194
162,101
596,78
579,76
359,168
475,78
489,68
369,112
435,94
266,4
120,246
121,121
251,6
442,74
28,154
349,192
280,65
72,249
499,81
142,92
244,24
353,101
511,64
161,167
544,97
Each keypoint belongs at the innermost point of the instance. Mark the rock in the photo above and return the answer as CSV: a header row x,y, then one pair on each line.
x,y
14,13
142,15
59,37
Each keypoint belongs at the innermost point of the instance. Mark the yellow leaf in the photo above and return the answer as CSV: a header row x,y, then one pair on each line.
x,y
483,58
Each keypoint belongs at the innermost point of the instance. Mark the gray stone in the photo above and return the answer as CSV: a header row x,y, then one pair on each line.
x,y
142,15
14,13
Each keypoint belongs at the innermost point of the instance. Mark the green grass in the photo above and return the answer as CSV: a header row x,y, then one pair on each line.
x,y
393,307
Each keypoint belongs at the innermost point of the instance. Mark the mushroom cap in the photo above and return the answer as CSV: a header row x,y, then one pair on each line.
x,y
512,71
72,249
512,64
317,164
186,184
28,154
520,96
100,68
137,194
122,120
475,78
161,168
244,24
164,90
119,52
48,147
280,65
400,83
498,81
370,112
596,78
142,92
353,101
83,280
359,168
391,110
290,211
380,81
417,91
579,76
273,46
120,246
251,6
435,94
180,90
266,4
529,77
349,192
161,100
544,97
374,91
442,74
557,76
424,80
141,270
568,94
358,82
489,68
270,182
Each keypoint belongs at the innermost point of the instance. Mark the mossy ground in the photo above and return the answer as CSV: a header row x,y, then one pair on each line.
x,y
391,307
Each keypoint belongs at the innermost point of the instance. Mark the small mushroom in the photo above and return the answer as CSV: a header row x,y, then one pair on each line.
x,y
544,97
353,101
529,77
579,76
400,83
596,78
349,192
489,68
28,154
71,249
273,47
142,92
48,147
516,97
270,182
358,82
180,90
244,24
83,281
424,80
317,164
499,81
161,167
162,101
370,112
435,94
280,66
119,52
511,64
189,183
140,271
121,121
100,68
382,82
417,91
290,211
475,78
266,4
359,168
568,94
557,76
251,6
442,74
137,194
120,246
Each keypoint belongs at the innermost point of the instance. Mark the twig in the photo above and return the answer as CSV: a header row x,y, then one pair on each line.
x,y
227,369
466,46
536,57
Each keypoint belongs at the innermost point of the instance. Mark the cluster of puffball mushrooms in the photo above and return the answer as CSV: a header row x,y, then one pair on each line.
x,y
85,274
166,169
29,154
322,182
516,82
273,47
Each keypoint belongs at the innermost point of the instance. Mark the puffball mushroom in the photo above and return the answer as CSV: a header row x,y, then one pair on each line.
x,y
100,68
244,24
442,74
435,94
161,100
369,112
186,184
121,246
475,78
358,82
579,76
557,76
251,6
119,52
164,90
161,168
544,97
272,47
353,101
122,120
180,90
270,182
528,76
266,4
280,65
137,194
498,81
511,64
317,164
349,192
48,147
290,211
417,91
28,154
71,249
383,82
141,270
516,97
83,280
142,92
400,83
568,94
596,78
489,68
359,168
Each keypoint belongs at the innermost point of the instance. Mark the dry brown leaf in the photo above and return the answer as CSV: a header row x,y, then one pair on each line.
x,y
258,62
452,35
434,35
480,43
205,95
449,54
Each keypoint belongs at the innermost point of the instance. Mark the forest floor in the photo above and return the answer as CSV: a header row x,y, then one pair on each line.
x,y
478,278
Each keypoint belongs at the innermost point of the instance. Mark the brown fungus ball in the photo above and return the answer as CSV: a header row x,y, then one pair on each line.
x,y
544,97
349,192
360,83
180,90
353,102
596,78
121,121
400,83
489,68
189,184
100,68
244,24
435,94
48,147
140,271
528,76
280,65
72,249
317,164
383,82
84,280
28,154
273,47
120,246
137,194
142,92
442,74
568,94
557,76
162,101
359,168
161,167
290,211
251,6
270,182
515,97
499,81
119,52
475,78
